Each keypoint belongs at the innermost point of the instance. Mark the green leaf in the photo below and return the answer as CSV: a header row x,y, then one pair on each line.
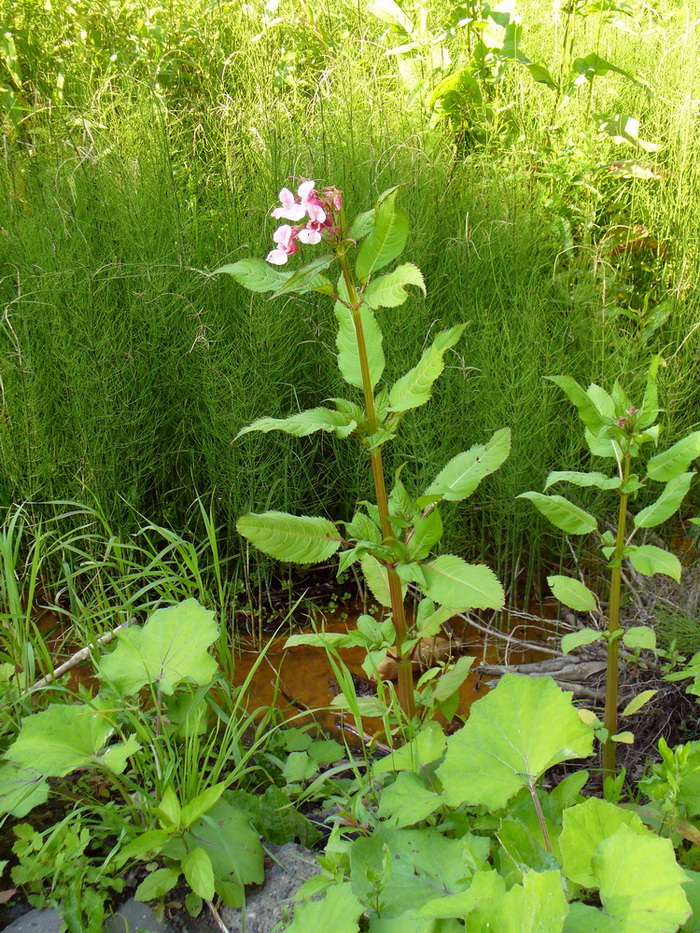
x,y
640,882
427,531
413,865
585,826
463,473
562,513
408,800
451,581
386,240
513,735
638,702
573,593
676,460
583,479
339,912
62,738
584,636
199,873
21,789
640,636
541,74
346,342
143,846
157,884
362,225
650,405
255,274
378,580
583,918
169,649
648,560
308,277
668,502
199,805
305,423
300,539
587,411
389,291
538,905
485,885
415,388
452,679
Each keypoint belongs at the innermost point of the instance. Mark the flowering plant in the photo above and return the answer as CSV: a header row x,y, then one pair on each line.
x,y
391,539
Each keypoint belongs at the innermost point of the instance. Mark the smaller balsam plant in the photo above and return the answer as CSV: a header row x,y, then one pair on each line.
x,y
392,538
616,430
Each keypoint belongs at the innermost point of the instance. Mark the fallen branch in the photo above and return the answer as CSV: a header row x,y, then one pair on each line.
x,y
74,660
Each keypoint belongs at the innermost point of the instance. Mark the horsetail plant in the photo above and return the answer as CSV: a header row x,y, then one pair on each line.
x,y
616,430
393,537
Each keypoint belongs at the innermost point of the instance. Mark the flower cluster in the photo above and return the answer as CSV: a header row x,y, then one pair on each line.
x,y
320,211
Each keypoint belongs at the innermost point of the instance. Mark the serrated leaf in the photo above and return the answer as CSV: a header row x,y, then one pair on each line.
x,y
648,559
640,882
451,581
143,846
386,240
305,423
584,827
346,342
199,873
463,473
426,532
668,502
587,410
485,885
362,225
574,640
603,447
157,884
676,460
514,734
308,277
377,580
415,388
199,805
300,539
573,593
562,513
600,480
389,291
255,274
170,648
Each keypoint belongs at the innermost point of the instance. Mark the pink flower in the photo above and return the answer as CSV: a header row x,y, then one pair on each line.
x,y
291,209
284,237
311,202
311,233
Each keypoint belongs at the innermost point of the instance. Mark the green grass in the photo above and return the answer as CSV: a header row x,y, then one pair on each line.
x,y
127,371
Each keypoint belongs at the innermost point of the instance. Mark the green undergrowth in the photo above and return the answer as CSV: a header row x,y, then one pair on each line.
x,y
127,371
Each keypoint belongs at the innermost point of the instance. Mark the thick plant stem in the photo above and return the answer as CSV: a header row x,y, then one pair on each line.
x,y
609,748
405,679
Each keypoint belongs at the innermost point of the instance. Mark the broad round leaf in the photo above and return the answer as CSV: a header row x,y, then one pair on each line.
x,y
339,911
21,789
300,539
585,826
169,649
513,735
562,513
573,593
451,581
538,905
640,882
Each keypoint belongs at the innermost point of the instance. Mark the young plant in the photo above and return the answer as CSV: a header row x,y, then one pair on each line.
x,y
617,430
392,538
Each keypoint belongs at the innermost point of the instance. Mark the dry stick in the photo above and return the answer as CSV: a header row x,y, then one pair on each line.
x,y
82,655
217,917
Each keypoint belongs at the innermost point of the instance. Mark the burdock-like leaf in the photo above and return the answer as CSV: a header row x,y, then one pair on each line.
x,y
169,649
538,905
514,734
300,539
63,738
640,882
21,789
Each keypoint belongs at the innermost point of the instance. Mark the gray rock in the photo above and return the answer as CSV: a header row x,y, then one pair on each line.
x,y
133,917
37,921
273,901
